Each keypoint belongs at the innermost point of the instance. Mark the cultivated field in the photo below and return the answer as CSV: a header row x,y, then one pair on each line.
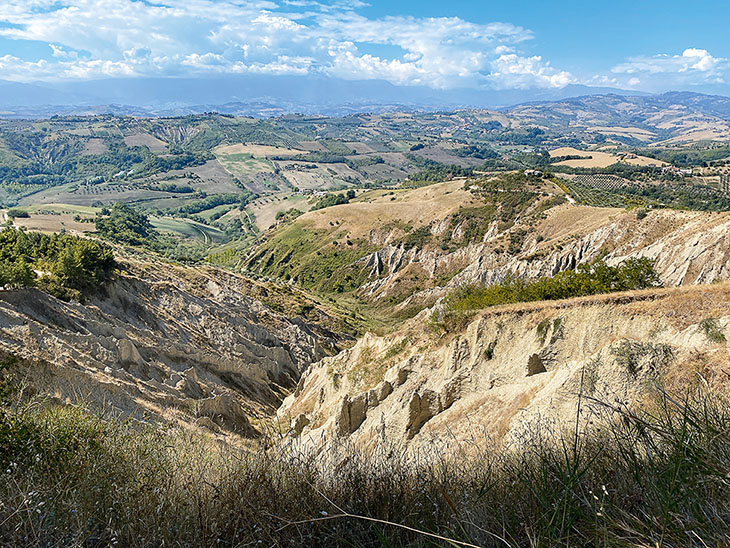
x,y
56,218
592,158
444,154
242,164
210,177
635,132
94,146
314,176
359,147
187,228
87,196
54,223
644,161
312,146
258,151
145,140
378,207
265,209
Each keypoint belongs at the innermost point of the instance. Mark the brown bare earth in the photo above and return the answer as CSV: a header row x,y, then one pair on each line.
x,y
377,207
94,146
597,158
54,223
145,140
312,146
265,209
261,151
636,133
644,161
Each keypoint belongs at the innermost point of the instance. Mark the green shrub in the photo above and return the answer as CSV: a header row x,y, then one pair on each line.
x,y
433,172
585,280
7,389
629,355
474,222
16,273
288,215
542,330
14,213
331,200
419,237
711,328
71,265
125,225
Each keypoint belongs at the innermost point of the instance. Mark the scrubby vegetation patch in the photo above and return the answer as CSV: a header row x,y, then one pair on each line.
x,y
64,265
587,279
652,478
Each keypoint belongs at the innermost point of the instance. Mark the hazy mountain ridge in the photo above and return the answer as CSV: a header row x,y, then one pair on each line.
x,y
669,118
615,108
260,95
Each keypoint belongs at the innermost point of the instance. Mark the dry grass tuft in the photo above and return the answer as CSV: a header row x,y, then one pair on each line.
x,y
657,477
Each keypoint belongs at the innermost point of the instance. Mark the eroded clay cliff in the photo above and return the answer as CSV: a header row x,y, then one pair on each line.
x,y
187,344
512,369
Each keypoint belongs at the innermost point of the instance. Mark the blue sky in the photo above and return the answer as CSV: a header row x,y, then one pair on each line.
x,y
584,35
639,44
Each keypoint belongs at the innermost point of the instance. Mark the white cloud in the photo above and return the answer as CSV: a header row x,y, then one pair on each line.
x,y
61,53
513,71
693,66
98,38
691,59
699,59
14,68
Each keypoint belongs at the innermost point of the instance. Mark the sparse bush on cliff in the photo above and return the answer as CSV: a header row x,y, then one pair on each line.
x,y
585,280
711,328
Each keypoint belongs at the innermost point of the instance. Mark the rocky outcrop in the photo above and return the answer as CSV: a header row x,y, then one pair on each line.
x,y
512,369
164,341
535,365
226,410
421,408
351,414
688,247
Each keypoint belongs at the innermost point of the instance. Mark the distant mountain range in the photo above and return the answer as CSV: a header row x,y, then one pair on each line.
x,y
673,118
257,96
269,96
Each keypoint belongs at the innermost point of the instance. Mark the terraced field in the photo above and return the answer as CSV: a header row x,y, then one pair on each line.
x,y
588,159
187,228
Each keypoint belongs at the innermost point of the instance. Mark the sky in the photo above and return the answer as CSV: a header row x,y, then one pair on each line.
x,y
498,45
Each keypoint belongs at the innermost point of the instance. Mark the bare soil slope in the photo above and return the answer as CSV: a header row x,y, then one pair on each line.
x,y
513,368
190,345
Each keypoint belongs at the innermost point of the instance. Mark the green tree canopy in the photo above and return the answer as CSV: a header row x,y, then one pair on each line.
x,y
68,265
126,225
